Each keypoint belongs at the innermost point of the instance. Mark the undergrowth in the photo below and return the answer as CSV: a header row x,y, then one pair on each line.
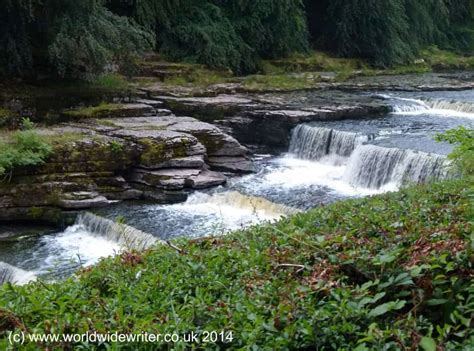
x,y
23,148
386,272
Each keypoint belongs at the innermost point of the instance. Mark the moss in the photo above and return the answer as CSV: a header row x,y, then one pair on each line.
x,y
111,82
106,123
103,110
154,152
45,214
157,152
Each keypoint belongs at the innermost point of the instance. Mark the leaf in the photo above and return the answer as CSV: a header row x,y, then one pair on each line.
x,y
435,302
386,307
428,344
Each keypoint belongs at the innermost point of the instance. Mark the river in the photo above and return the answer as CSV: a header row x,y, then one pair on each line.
x,y
326,162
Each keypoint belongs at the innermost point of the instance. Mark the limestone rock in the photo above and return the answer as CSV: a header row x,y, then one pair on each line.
x,y
231,164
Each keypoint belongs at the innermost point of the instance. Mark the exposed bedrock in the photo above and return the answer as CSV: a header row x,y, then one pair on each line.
x,y
104,160
267,119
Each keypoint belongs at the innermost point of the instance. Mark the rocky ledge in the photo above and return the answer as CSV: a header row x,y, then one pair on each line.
x,y
106,160
267,119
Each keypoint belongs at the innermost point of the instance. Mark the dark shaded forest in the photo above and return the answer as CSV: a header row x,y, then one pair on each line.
x,y
82,39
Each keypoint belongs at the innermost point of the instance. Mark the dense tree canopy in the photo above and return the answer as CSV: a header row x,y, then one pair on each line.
x,y
81,39
391,31
233,34
73,39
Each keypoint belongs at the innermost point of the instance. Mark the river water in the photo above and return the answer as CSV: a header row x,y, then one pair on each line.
x,y
326,162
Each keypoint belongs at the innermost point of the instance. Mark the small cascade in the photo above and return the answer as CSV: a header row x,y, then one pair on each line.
x,y
14,275
314,143
432,106
234,199
122,234
404,105
373,166
452,105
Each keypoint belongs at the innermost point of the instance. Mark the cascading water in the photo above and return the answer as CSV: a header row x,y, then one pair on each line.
x,y
459,106
367,166
236,200
313,143
328,161
122,234
403,105
14,275
373,166
449,108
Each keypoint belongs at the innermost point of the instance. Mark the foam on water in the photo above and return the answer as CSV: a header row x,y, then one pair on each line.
x,y
438,107
227,211
294,172
376,167
76,246
14,275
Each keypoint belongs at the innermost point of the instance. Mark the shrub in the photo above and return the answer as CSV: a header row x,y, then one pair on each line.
x,y
26,148
463,153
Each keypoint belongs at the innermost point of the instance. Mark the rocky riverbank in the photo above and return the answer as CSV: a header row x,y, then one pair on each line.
x,y
103,160
148,147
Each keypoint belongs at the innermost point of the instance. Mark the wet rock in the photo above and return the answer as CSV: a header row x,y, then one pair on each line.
x,y
231,164
206,179
177,179
149,102
82,200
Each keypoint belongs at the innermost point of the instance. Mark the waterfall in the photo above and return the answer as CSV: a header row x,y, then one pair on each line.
x,y
404,105
235,199
432,106
125,235
313,143
458,106
14,275
373,166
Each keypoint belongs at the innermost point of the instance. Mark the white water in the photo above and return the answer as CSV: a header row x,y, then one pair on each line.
x,y
119,233
326,162
313,143
328,172
14,275
374,167
366,168
77,246
438,107
227,211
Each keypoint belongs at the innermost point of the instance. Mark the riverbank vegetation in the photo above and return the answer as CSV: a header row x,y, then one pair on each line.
x,y
81,40
392,271
22,148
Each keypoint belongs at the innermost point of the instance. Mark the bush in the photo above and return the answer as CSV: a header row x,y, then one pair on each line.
x,y
26,148
463,153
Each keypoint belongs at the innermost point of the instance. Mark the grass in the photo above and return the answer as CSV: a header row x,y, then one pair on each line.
x,y
387,272
447,60
279,82
111,82
101,110
305,71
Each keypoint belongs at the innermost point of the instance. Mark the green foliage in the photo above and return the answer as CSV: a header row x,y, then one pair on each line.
x,y
26,148
393,31
388,272
232,34
463,153
74,39
15,48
